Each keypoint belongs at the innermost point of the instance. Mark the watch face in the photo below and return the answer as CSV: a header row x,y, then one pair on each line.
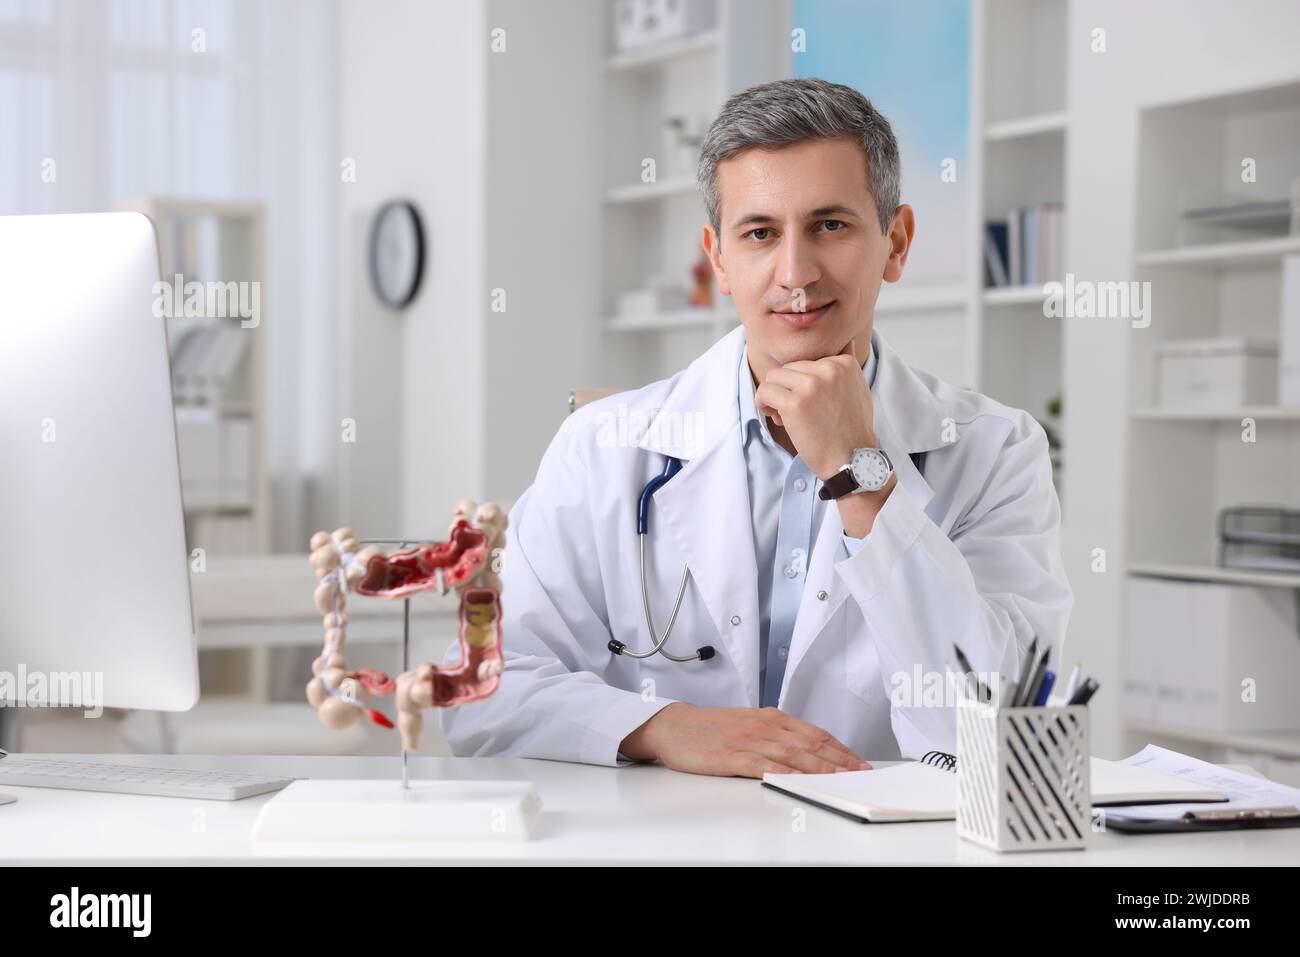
x,y
871,469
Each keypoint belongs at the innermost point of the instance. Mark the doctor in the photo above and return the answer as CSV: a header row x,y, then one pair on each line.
x,y
830,580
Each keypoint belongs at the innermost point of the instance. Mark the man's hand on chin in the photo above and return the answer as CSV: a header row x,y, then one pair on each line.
x,y
825,407
737,742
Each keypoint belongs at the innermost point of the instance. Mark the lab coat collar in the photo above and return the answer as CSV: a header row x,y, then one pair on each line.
x,y
700,408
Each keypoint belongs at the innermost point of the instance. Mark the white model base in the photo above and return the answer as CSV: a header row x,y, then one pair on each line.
x,y
7,798
330,814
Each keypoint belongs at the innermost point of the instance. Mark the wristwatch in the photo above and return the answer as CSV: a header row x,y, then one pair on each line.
x,y
868,471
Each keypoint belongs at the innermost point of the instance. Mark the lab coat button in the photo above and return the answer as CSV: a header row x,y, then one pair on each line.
x,y
735,619
822,595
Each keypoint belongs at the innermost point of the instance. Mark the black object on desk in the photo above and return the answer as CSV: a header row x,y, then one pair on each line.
x,y
1210,819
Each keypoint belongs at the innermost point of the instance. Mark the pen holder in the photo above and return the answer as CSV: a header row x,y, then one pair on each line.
x,y
1022,776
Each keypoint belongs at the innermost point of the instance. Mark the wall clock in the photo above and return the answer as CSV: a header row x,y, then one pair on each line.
x,y
396,253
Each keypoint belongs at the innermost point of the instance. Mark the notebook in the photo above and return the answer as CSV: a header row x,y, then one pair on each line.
x,y
926,790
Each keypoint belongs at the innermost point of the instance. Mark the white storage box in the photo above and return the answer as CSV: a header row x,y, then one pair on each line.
x,y
1211,657
1288,386
649,302
639,23
1215,374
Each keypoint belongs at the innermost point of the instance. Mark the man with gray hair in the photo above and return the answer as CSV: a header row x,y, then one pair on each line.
x,y
844,520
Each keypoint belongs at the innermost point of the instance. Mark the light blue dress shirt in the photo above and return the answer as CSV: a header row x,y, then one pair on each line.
x,y
787,514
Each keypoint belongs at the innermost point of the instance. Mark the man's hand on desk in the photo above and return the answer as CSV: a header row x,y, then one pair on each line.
x,y
738,742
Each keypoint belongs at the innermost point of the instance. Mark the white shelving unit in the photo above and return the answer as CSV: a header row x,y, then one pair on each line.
x,y
1279,744
1014,296
1019,121
1185,465
1267,413
651,230
1024,127
224,241
219,241
1213,573
1226,254
998,341
666,52
702,320
902,298
646,192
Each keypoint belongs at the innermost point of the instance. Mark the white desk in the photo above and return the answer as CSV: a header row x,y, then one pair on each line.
x,y
641,814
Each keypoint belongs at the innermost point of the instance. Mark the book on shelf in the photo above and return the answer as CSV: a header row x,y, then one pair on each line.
x,y
995,255
205,360
191,247
1288,385
1025,249
1015,249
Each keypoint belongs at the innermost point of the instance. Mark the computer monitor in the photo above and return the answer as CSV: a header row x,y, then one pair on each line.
x,y
94,576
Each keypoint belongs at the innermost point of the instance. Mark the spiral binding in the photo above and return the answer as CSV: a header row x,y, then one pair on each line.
x,y
940,759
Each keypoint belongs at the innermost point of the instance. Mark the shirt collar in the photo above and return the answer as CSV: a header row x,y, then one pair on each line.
x,y
751,423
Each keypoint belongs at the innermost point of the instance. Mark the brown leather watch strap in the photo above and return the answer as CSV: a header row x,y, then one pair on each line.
x,y
838,485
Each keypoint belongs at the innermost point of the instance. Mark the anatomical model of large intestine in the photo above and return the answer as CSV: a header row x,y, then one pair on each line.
x,y
468,562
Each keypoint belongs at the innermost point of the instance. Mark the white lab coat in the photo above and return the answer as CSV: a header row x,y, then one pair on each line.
x,y
969,553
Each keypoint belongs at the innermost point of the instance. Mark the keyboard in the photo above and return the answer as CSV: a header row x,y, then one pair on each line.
x,y
17,770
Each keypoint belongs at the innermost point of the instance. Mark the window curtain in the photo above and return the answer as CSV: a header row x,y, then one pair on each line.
x,y
102,101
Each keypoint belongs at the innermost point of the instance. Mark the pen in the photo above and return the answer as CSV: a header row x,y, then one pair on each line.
x,y
1073,682
1084,692
981,693
1022,683
964,686
1030,694
1049,679
1007,693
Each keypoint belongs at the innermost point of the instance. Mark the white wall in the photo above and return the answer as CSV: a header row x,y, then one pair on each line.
x,y
1157,50
451,398
298,124
411,114
543,199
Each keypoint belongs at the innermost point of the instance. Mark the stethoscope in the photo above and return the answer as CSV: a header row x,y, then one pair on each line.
x,y
671,467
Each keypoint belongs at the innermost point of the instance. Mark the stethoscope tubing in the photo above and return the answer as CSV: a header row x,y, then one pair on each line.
x,y
671,467
659,643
